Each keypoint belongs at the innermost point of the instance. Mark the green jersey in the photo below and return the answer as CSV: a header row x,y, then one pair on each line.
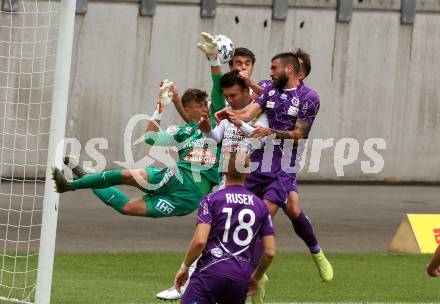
x,y
217,99
196,153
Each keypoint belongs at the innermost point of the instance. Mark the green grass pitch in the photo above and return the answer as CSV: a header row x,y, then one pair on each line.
x,y
136,278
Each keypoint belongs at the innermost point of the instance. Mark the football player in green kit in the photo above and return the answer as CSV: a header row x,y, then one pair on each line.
x,y
171,191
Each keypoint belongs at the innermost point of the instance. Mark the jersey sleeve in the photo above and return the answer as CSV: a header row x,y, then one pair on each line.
x,y
309,108
217,98
262,120
262,99
204,215
218,132
170,137
267,226
264,83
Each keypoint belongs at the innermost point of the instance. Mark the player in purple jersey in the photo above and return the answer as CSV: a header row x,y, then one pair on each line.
x,y
291,108
228,223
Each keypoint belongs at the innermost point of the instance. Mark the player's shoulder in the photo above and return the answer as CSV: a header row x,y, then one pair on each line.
x,y
182,130
265,83
308,93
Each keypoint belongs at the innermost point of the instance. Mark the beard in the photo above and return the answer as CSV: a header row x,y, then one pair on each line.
x,y
281,82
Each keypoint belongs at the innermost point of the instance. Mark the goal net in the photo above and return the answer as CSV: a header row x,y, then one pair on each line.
x,y
28,47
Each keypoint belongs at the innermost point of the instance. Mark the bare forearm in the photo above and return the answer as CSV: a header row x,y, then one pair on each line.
x,y
265,262
153,126
179,107
295,135
193,252
256,88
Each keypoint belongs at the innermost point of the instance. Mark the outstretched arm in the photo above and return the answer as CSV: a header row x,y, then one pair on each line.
x,y
178,105
256,88
194,250
301,131
165,95
245,115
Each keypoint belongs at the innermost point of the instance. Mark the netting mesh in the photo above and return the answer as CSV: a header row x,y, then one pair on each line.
x,y
28,37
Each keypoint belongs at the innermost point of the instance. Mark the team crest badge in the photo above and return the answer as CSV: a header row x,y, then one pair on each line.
x,y
172,130
295,101
217,252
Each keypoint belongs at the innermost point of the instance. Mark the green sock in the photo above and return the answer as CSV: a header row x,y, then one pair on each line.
x,y
112,197
98,180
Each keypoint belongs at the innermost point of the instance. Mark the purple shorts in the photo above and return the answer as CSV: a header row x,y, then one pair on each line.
x,y
209,288
275,189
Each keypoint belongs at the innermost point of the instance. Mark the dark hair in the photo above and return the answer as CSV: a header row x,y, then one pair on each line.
x,y
241,51
191,95
231,79
306,64
288,58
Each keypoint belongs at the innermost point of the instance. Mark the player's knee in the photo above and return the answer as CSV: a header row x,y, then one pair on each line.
x,y
132,176
293,211
127,209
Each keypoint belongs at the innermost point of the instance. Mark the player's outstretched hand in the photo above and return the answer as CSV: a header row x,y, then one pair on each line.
x,y
175,93
204,124
165,95
180,280
246,77
234,119
222,114
210,48
253,286
261,132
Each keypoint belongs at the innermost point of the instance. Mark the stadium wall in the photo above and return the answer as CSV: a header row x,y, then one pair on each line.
x,y
376,77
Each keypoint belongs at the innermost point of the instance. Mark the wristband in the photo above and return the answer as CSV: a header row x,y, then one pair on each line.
x,y
156,115
246,129
214,61
183,267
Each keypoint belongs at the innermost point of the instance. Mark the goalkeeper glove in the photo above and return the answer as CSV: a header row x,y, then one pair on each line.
x,y
210,48
165,97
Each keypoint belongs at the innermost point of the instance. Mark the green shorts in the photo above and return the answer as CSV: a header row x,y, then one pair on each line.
x,y
169,196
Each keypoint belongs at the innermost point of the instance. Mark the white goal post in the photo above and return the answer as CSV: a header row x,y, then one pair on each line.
x,y
36,38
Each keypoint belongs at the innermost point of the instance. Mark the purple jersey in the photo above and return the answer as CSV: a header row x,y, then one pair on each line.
x,y
282,110
237,218
264,83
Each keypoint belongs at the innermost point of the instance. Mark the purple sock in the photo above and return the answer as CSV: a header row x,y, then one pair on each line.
x,y
303,228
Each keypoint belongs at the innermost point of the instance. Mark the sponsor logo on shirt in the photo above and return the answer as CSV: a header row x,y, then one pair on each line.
x,y
164,207
270,104
201,155
271,93
188,130
293,111
283,96
217,252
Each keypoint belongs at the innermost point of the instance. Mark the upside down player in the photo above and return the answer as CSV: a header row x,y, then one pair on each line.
x,y
291,108
228,223
172,191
